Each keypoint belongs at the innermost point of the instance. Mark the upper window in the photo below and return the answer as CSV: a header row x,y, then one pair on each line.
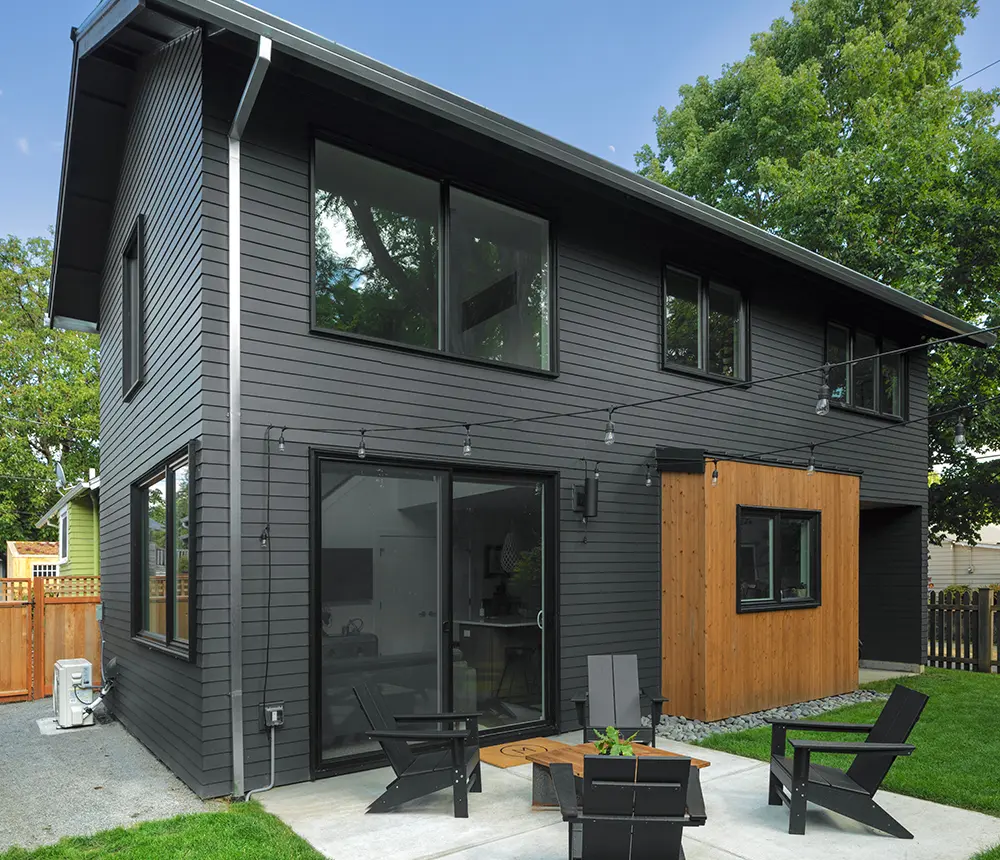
x,y
875,384
778,559
63,535
132,310
415,262
704,325
41,569
161,555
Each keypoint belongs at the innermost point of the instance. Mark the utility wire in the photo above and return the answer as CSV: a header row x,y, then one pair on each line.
x,y
612,408
976,72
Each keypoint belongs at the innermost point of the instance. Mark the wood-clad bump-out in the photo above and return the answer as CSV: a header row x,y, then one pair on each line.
x,y
718,663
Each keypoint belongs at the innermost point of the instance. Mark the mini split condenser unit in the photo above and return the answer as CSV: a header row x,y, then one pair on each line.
x,y
72,694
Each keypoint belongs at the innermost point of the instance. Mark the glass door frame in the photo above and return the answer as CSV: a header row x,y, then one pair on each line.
x,y
463,471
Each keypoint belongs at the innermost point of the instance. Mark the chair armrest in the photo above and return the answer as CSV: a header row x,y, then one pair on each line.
x,y
851,747
400,735
779,729
416,718
695,799
658,699
565,785
580,703
818,726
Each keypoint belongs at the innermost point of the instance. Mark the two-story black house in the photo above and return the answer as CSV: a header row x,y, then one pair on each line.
x,y
362,345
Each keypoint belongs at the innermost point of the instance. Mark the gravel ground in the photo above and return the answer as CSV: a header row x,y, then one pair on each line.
x,y
79,781
682,729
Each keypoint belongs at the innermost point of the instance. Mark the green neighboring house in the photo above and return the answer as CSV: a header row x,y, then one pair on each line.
x,y
76,515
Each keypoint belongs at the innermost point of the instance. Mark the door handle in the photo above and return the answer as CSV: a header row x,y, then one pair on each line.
x,y
539,620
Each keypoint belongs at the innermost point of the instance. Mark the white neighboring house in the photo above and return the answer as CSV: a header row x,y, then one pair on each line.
x,y
956,562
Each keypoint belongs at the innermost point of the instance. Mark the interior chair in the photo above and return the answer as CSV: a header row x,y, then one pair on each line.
x,y
850,792
448,757
632,807
614,699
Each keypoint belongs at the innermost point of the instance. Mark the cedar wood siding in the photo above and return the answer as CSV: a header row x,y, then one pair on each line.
x,y
608,270
159,698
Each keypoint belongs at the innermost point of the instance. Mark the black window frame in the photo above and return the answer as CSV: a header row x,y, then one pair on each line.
x,y
167,643
133,310
848,403
815,566
705,282
442,350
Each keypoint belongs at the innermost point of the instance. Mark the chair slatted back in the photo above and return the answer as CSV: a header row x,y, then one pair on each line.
x,y
633,788
380,718
613,688
893,726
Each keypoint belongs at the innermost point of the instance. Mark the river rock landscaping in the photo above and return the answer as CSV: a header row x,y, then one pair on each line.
x,y
683,729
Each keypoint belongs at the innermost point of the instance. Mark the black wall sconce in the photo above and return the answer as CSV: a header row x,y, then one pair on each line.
x,y
585,497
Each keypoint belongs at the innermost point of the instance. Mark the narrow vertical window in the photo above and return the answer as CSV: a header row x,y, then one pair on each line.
x,y
725,329
680,318
864,372
162,558
132,311
64,535
838,350
891,367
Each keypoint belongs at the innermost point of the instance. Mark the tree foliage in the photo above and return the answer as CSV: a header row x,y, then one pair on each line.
x,y
48,393
841,131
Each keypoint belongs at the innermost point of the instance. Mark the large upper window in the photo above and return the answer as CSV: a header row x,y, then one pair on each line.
x,y
704,325
419,263
64,535
777,560
132,310
875,384
161,561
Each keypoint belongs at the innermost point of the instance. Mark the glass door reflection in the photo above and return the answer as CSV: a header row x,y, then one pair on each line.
x,y
498,561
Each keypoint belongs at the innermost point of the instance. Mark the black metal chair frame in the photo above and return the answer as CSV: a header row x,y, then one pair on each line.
x,y
636,823
447,757
582,705
850,792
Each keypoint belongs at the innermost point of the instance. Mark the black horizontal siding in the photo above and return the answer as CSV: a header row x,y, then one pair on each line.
x,y
324,389
159,698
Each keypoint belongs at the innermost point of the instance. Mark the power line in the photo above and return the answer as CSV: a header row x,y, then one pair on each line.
x,y
57,425
976,72
613,408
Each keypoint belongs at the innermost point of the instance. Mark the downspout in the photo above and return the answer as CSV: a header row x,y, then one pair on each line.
x,y
239,125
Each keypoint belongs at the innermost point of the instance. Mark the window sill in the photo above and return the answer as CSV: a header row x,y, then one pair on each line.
x,y
717,378
157,645
776,606
430,353
132,390
867,413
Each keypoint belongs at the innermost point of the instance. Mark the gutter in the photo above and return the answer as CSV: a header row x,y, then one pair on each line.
x,y
247,101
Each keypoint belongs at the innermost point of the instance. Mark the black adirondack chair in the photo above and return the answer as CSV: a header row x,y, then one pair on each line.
x,y
633,807
850,793
613,698
451,760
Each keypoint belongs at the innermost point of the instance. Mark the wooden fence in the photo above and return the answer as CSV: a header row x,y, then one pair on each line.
x,y
963,630
43,620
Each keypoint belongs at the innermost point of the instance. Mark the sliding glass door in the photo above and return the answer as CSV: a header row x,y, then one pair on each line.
x,y
430,586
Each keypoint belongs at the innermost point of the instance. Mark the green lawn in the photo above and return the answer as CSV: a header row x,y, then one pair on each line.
x,y
958,747
243,830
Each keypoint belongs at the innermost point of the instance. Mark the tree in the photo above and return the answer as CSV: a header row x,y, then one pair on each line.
x,y
48,392
842,132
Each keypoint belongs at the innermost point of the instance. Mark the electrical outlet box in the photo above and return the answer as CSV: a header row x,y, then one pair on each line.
x,y
271,715
99,611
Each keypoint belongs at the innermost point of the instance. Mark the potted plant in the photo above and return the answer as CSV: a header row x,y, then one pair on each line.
x,y
611,742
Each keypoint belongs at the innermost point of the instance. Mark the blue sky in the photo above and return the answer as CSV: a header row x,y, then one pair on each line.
x,y
589,73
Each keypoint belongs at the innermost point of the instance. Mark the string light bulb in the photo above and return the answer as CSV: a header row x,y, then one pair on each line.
x,y
281,441
597,471
362,449
609,429
823,398
264,536
715,473
811,468
649,476
467,445
960,433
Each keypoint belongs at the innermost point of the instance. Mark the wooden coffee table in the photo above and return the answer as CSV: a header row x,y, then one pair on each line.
x,y
543,792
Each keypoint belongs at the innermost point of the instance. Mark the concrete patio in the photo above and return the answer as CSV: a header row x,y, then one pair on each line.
x,y
330,814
